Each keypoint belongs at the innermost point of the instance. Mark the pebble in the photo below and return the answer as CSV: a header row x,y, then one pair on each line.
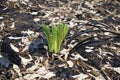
x,y
34,13
13,25
36,19
1,17
107,33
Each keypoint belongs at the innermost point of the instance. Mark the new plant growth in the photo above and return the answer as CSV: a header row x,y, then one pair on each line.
x,y
55,36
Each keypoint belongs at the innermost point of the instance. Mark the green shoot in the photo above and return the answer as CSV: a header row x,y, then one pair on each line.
x,y
56,36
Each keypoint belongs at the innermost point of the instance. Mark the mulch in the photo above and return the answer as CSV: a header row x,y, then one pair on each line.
x,y
90,51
